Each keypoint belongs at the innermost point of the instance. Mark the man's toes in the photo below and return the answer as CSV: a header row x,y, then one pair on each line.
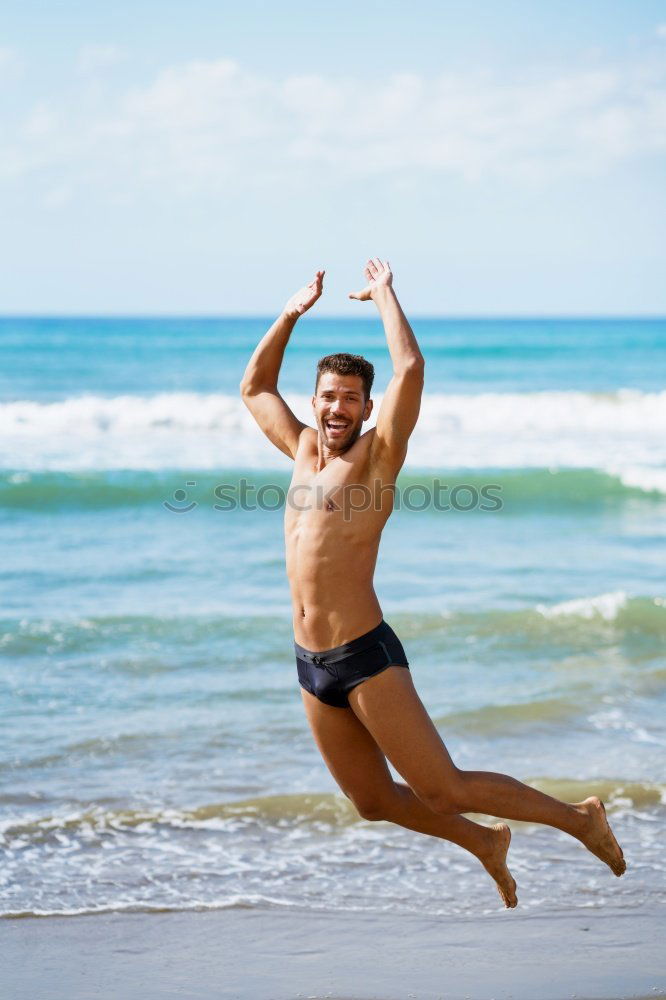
x,y
508,895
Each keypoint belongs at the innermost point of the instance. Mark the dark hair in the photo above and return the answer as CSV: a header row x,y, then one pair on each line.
x,y
347,364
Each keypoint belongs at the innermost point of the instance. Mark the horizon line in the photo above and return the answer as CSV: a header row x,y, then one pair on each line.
x,y
333,316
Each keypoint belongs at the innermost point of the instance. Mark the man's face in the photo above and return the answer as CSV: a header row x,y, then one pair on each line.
x,y
340,408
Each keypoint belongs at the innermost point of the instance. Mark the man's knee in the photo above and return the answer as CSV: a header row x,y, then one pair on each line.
x,y
373,815
371,809
446,799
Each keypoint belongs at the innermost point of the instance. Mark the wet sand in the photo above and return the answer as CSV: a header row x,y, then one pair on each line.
x,y
291,954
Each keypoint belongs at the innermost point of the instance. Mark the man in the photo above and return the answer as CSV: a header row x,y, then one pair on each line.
x,y
355,680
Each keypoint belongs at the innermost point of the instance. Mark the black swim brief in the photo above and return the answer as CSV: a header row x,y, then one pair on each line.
x,y
331,673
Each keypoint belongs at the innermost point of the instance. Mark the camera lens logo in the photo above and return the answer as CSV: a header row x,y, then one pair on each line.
x,y
180,496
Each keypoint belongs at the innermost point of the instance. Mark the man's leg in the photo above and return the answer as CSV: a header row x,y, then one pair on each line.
x,y
360,769
389,707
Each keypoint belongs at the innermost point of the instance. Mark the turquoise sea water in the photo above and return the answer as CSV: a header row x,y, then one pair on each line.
x,y
155,754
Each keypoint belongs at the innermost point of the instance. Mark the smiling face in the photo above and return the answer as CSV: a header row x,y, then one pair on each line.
x,y
340,408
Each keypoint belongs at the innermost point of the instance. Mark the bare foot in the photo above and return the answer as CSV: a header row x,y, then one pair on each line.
x,y
495,863
599,838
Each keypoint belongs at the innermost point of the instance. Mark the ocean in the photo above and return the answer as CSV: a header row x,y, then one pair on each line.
x,y
155,752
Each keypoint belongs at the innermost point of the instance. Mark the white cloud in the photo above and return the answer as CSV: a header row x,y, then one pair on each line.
x,y
204,125
660,30
94,58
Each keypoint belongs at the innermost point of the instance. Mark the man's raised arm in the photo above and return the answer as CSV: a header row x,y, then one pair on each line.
x,y
402,400
259,383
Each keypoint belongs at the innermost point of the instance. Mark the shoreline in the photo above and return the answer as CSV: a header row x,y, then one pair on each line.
x,y
262,954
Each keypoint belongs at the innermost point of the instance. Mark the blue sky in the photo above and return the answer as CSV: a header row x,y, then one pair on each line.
x,y
508,158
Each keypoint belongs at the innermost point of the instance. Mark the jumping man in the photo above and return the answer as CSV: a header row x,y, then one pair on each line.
x,y
355,680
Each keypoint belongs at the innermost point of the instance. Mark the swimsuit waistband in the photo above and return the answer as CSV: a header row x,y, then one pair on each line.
x,y
354,646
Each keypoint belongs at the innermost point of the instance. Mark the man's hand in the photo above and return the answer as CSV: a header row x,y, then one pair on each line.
x,y
379,277
305,297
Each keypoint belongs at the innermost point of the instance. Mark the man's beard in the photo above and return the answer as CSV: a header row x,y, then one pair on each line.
x,y
345,441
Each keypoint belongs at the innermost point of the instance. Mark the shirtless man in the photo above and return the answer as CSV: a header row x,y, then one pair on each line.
x,y
355,681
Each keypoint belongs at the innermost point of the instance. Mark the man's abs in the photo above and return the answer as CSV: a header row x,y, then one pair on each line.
x,y
332,592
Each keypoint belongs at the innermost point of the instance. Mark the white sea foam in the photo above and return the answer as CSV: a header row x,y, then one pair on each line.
x,y
605,606
623,432
642,478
